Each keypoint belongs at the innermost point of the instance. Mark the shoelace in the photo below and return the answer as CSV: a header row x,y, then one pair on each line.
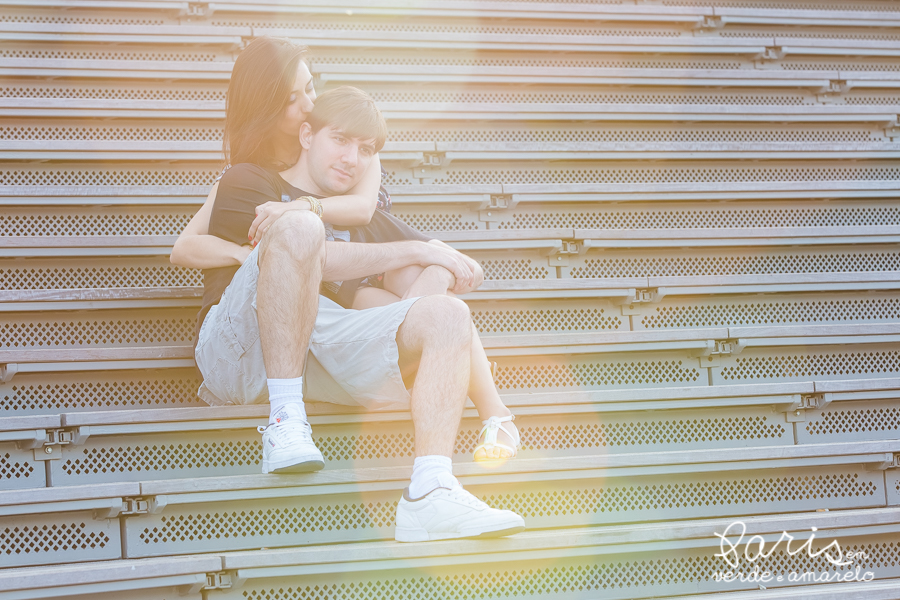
x,y
465,497
289,427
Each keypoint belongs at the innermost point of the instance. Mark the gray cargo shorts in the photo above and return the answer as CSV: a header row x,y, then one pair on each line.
x,y
353,356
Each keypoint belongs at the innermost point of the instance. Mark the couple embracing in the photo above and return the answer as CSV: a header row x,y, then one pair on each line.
x,y
313,291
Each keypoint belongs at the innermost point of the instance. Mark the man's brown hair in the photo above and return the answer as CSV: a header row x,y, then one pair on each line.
x,y
351,111
261,83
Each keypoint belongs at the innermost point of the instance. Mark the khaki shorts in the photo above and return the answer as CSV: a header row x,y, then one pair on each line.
x,y
353,357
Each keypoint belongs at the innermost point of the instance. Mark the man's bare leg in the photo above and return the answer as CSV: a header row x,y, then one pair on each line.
x,y
291,258
437,332
481,389
290,263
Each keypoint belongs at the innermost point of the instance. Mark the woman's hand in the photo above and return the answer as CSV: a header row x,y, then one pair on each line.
x,y
196,249
268,213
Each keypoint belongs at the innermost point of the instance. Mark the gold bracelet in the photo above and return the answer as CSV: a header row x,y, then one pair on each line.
x,y
315,205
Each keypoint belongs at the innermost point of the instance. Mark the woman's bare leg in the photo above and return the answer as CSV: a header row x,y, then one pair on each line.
x,y
369,297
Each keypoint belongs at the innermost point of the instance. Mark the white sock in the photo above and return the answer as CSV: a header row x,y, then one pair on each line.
x,y
430,473
283,392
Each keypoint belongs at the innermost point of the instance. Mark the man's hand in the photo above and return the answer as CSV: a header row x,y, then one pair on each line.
x,y
469,274
268,213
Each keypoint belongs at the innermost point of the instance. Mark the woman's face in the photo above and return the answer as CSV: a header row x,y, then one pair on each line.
x,y
300,102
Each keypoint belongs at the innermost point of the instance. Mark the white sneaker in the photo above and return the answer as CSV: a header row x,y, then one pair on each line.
x,y
451,513
288,446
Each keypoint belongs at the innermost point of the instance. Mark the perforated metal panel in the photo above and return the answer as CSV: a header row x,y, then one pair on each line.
x,y
162,327
620,577
97,221
125,130
685,496
810,213
61,274
196,179
351,24
607,95
595,215
861,307
19,470
851,421
194,91
802,5
637,263
89,391
893,487
136,54
370,515
598,372
636,133
502,265
545,316
578,435
57,538
464,174
807,363
158,456
610,60
432,218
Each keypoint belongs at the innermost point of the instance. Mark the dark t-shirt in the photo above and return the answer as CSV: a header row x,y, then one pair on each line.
x,y
244,187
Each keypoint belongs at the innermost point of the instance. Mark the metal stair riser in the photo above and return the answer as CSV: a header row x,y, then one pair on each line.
x,y
851,421
892,483
57,538
546,315
690,312
144,457
624,575
599,371
19,469
193,453
711,262
804,363
369,515
55,393
647,215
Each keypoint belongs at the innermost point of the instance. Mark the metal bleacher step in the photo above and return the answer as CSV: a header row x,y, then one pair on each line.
x,y
560,112
598,560
721,346
692,16
147,579
216,514
78,448
415,155
366,75
530,564
157,35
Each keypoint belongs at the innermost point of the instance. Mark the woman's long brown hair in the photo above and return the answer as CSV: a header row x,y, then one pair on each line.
x,y
261,84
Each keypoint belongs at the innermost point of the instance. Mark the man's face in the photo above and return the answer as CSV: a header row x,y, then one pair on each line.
x,y
336,162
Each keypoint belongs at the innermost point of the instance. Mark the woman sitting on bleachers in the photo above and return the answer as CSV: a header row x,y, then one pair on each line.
x,y
269,96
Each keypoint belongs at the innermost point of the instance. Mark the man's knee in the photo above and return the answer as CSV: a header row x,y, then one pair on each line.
x,y
442,317
299,232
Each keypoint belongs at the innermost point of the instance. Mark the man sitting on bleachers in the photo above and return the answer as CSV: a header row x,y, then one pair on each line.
x,y
267,334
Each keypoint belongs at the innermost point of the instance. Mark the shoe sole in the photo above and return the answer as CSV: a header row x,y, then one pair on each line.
x,y
306,466
420,535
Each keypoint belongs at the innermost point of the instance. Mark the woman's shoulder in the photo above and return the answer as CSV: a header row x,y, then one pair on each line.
x,y
243,173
